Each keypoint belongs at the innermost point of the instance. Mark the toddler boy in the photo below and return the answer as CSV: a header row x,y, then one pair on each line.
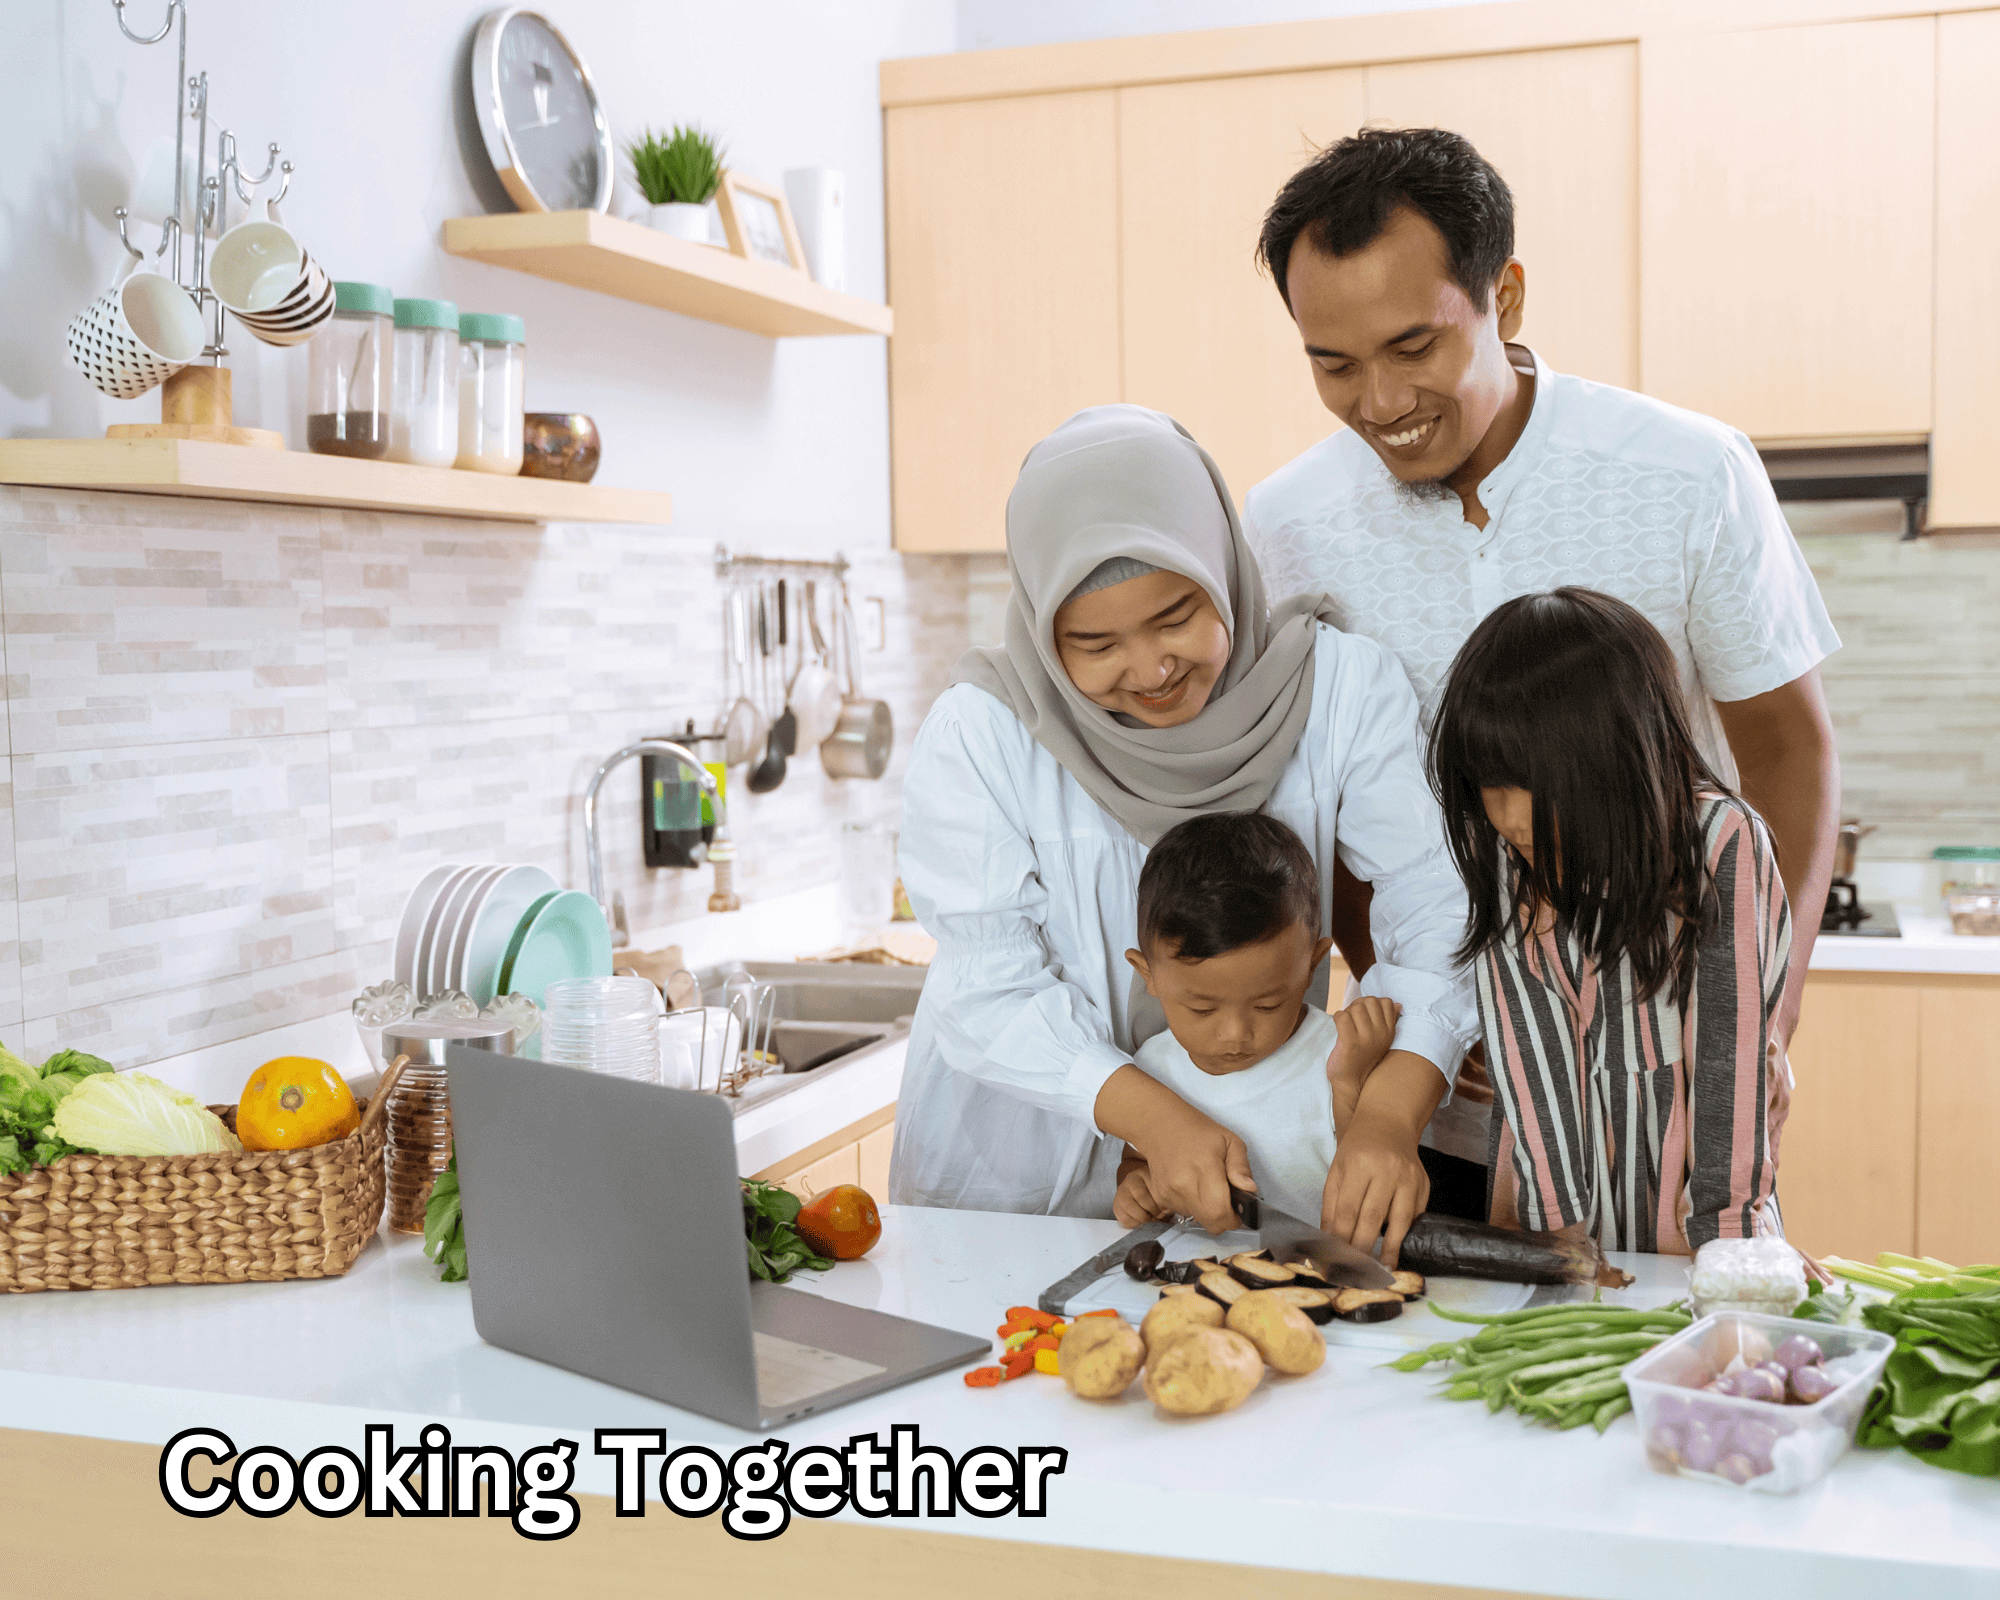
x,y
1228,942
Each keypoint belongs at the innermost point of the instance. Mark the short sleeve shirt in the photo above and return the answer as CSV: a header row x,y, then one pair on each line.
x,y
1666,509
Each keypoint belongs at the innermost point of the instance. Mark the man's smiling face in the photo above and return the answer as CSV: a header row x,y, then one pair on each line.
x,y
1399,351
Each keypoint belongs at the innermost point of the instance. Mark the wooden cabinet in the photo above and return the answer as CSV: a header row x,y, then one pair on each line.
x,y
1786,226
1965,488
1003,269
1562,127
857,1153
1891,1143
1847,1160
1958,1121
1207,338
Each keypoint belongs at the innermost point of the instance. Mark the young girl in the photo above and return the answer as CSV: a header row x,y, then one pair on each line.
x,y
1629,928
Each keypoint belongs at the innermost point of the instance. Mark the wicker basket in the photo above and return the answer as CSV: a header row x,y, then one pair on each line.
x,y
233,1216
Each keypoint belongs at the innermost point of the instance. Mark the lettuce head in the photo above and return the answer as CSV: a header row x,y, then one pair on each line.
x,y
130,1114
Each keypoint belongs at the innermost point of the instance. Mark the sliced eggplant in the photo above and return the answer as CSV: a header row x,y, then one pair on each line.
x,y
1177,1288
1143,1260
1220,1287
1308,1275
1259,1271
1367,1305
1317,1304
1410,1285
1180,1272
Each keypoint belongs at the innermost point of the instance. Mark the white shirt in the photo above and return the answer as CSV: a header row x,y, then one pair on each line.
x,y
1281,1108
1668,510
1031,890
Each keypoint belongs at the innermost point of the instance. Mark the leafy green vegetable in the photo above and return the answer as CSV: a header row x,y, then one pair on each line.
x,y
130,1114
11,1159
75,1063
444,1224
1940,1392
773,1245
1842,1310
12,1066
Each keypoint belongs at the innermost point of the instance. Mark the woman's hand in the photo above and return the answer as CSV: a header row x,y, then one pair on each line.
x,y
1190,1160
1378,1184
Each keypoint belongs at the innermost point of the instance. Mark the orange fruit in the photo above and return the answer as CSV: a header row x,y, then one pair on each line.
x,y
295,1102
842,1223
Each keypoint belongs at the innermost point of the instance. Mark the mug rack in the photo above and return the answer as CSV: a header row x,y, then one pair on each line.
x,y
195,402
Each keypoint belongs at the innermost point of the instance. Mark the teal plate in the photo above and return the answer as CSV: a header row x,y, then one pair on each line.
x,y
563,935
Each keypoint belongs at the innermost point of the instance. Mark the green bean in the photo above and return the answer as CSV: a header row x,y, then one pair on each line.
x,y
1557,1369
1612,1410
1593,1387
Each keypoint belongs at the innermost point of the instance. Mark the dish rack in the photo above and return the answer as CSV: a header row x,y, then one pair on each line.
x,y
751,1011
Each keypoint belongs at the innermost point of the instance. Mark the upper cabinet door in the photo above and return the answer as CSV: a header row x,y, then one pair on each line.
x,y
1562,127
1786,227
1207,338
1965,488
1003,263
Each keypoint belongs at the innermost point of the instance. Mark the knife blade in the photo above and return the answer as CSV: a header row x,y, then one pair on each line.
x,y
1058,1294
1289,1239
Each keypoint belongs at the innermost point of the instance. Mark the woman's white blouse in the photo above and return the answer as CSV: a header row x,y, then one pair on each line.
x,y
1031,891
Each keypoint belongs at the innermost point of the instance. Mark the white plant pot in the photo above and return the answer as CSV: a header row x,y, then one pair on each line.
x,y
680,219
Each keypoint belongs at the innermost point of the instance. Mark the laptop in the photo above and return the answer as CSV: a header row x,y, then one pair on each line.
x,y
604,1234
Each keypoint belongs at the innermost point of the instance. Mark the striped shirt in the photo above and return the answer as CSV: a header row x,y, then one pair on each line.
x,y
1648,1126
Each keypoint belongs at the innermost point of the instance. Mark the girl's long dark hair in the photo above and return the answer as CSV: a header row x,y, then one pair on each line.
x,y
1572,696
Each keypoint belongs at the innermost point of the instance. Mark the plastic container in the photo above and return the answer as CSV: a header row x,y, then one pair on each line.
x,y
1974,911
348,372
492,391
419,1110
1692,1433
423,404
1971,887
607,1025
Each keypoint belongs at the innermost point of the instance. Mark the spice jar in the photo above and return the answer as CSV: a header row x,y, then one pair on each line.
x,y
347,374
491,391
423,405
419,1109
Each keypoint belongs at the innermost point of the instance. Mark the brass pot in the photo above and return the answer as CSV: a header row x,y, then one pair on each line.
x,y
559,444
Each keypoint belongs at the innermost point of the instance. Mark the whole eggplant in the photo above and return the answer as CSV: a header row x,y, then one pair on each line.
x,y
1453,1247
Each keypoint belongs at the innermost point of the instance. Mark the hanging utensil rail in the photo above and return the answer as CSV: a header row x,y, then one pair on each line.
x,y
729,567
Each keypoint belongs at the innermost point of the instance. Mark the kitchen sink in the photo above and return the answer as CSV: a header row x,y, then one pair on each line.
x,y
822,1013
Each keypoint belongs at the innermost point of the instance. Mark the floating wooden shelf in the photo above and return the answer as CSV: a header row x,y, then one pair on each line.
x,y
206,471
615,257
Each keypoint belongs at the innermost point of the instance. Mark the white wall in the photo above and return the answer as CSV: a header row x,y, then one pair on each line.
x,y
997,24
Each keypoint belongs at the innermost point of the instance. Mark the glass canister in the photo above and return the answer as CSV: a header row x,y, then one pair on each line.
x,y
419,1110
423,404
347,374
492,391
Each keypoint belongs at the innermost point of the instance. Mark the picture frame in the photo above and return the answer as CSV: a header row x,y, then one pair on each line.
x,y
758,222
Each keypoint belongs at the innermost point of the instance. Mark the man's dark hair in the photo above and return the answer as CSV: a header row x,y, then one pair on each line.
x,y
1342,199
1216,883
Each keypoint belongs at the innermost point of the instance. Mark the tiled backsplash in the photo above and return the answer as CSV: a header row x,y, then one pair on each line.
x,y
237,734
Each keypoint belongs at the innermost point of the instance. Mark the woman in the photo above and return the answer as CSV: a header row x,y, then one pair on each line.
x,y
1629,929
1142,682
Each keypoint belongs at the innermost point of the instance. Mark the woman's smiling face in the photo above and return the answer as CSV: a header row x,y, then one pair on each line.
x,y
1151,647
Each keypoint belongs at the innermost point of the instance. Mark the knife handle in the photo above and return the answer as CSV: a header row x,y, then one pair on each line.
x,y
1244,1203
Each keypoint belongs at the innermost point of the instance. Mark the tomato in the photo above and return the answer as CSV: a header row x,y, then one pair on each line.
x,y
842,1223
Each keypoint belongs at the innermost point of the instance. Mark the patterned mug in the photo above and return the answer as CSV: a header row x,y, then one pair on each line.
x,y
268,282
137,334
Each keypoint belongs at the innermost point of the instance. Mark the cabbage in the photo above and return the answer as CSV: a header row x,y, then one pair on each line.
x,y
130,1114
12,1066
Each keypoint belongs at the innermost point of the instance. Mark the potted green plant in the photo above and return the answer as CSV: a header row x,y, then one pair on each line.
x,y
678,173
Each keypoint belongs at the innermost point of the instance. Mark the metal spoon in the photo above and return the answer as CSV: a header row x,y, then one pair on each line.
x,y
743,733
770,772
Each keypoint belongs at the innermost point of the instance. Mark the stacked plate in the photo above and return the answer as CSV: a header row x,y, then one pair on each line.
x,y
489,930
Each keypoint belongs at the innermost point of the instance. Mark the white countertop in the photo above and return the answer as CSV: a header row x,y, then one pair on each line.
x,y
1352,1470
1926,944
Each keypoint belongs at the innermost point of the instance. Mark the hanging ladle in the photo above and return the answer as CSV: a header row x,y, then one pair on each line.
x,y
770,772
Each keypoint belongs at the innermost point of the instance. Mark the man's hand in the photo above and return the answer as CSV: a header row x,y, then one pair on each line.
x,y
1378,1184
1191,1160
1367,1029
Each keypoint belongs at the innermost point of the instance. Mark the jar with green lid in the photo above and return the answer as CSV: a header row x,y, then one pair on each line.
x,y
347,374
423,406
492,390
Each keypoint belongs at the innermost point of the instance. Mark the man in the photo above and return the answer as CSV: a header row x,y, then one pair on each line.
x,y
1469,473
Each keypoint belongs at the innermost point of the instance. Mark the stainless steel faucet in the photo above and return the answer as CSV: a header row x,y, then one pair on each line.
x,y
721,852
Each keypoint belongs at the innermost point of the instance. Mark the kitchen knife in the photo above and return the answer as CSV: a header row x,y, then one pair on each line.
x,y
1289,1239
1058,1294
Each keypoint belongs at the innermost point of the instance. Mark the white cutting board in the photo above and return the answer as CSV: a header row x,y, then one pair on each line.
x,y
1414,1329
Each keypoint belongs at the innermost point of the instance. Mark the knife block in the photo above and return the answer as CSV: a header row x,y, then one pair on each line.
x,y
195,404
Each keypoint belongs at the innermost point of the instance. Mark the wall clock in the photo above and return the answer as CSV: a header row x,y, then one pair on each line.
x,y
539,114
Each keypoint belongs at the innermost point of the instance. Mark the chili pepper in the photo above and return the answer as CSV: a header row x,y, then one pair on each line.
x,y
983,1377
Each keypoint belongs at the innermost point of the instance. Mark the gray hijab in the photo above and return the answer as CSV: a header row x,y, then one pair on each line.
x,y
1122,481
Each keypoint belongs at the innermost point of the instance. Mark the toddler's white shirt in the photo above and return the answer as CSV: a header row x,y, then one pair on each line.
x,y
1282,1108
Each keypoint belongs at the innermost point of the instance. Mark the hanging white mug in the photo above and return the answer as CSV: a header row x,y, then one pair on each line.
x,y
137,334
268,282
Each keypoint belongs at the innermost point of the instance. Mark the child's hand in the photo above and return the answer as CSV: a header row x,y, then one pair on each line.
x,y
1135,1203
1367,1031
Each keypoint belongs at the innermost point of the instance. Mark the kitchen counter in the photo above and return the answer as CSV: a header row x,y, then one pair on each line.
x,y
1353,1470
1926,945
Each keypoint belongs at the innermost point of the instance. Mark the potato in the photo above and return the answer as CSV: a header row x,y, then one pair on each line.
x,y
1283,1334
1173,1316
1100,1356
1202,1371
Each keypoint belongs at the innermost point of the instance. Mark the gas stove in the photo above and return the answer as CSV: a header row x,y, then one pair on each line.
x,y
1846,916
